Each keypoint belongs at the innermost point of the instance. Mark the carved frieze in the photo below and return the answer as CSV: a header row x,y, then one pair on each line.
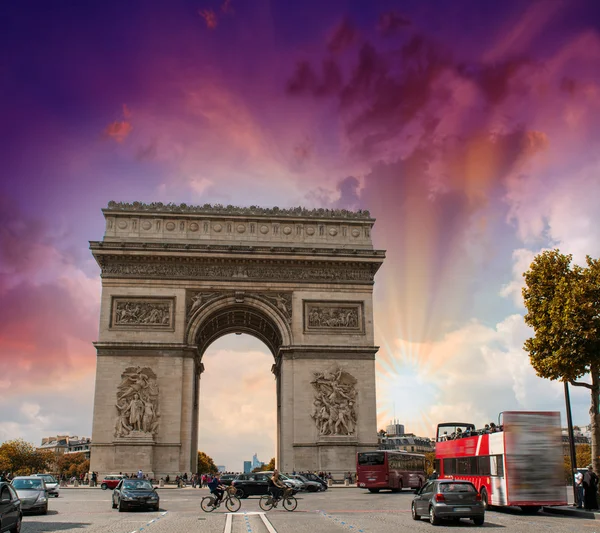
x,y
334,404
142,313
282,301
146,267
218,209
333,317
137,404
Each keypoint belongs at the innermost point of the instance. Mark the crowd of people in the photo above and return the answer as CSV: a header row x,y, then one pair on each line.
x,y
587,489
471,432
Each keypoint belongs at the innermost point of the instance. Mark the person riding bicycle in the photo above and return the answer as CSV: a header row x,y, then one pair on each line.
x,y
216,488
276,486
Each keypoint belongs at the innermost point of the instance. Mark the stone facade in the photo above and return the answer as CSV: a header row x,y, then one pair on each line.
x,y
176,278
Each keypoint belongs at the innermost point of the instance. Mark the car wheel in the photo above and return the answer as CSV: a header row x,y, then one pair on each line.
x,y
121,506
45,510
433,518
484,498
478,521
413,512
17,527
104,486
240,494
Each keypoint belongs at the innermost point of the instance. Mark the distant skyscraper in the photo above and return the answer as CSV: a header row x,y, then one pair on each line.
x,y
247,467
395,429
221,468
255,462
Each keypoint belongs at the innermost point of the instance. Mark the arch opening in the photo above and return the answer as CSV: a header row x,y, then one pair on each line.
x,y
237,402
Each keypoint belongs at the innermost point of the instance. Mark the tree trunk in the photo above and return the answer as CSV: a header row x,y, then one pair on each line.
x,y
595,419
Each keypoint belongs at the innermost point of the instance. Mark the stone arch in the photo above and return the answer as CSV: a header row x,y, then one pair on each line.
x,y
175,278
238,314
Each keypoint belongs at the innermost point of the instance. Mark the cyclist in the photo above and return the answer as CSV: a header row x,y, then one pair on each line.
x,y
276,486
216,488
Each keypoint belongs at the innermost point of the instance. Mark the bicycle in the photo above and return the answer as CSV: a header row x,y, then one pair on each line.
x,y
232,502
267,502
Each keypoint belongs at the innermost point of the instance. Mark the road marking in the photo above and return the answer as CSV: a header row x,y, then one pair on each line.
x,y
229,522
151,521
267,523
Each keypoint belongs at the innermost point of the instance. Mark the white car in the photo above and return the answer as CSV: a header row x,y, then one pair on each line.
x,y
52,484
292,483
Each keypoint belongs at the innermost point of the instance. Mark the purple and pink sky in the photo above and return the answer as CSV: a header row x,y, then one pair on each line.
x,y
470,131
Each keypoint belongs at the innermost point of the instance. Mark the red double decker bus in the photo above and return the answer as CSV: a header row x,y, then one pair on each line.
x,y
393,470
518,463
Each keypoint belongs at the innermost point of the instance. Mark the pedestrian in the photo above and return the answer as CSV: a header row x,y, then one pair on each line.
x,y
590,487
579,486
434,475
140,474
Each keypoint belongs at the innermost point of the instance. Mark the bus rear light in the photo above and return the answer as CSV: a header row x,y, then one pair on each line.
x,y
440,498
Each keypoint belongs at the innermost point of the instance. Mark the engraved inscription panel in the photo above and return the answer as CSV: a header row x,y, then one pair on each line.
x,y
333,317
151,313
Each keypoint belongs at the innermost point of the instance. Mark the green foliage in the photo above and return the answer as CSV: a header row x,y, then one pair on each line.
x,y
563,308
429,462
72,464
22,458
205,464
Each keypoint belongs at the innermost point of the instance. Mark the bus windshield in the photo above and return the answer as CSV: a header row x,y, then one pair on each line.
x,y
371,458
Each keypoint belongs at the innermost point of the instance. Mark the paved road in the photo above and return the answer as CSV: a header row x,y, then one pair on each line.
x,y
340,510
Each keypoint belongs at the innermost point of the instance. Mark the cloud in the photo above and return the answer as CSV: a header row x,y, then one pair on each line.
x,y
210,17
344,36
473,373
391,23
119,130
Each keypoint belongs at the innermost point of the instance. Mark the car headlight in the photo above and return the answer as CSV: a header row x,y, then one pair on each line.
x,y
126,496
153,497
41,497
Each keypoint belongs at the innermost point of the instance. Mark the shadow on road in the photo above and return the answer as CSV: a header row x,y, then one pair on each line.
x,y
54,526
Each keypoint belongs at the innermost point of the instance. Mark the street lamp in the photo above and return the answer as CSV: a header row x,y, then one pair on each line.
x,y
571,439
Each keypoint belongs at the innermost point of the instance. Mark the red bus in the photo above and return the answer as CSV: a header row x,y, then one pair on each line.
x,y
519,462
386,469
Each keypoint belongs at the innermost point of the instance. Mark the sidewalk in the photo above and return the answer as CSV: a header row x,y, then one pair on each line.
x,y
569,510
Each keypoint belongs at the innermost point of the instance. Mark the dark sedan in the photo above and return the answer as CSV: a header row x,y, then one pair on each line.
x,y
10,509
226,479
135,494
448,499
255,484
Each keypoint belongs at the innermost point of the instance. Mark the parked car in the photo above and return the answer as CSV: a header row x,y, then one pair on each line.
x,y
51,484
32,492
10,509
254,484
135,493
111,481
309,486
292,483
447,498
313,477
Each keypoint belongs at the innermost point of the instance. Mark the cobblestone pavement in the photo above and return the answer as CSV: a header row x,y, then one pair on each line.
x,y
340,510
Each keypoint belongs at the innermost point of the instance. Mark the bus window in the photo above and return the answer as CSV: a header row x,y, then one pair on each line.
x,y
467,466
484,465
449,466
497,465
436,465
371,458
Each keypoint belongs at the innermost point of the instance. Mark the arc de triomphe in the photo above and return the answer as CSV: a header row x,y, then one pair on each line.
x,y
175,278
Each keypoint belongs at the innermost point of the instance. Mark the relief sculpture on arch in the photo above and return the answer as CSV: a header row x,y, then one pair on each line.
x,y
137,404
334,406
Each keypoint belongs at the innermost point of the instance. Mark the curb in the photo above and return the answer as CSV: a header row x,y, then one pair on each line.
x,y
571,511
